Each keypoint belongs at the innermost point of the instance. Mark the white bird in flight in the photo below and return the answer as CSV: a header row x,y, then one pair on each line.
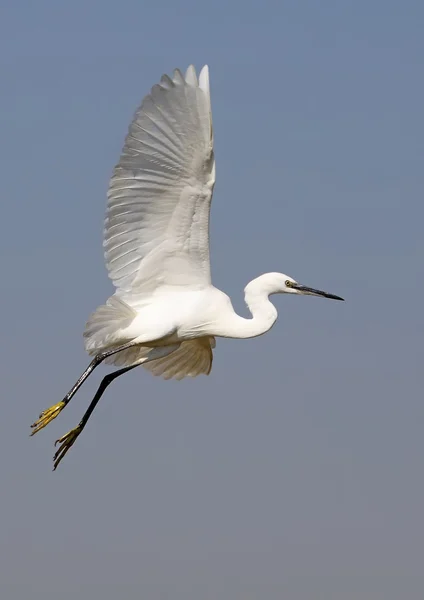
x,y
165,313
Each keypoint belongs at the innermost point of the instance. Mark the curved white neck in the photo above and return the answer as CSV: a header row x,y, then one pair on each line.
x,y
264,313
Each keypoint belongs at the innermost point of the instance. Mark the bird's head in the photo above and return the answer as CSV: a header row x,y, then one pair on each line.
x,y
291,286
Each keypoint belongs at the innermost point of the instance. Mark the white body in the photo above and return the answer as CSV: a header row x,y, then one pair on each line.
x,y
156,242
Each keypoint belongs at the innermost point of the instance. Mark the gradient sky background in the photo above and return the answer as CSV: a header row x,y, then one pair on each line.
x,y
295,471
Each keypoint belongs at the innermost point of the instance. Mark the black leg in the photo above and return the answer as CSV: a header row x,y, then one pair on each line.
x,y
51,413
99,358
68,440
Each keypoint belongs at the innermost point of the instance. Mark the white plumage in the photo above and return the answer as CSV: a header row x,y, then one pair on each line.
x,y
165,313
156,239
156,229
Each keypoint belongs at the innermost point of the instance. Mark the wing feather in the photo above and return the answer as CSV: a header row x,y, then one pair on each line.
x,y
157,220
193,358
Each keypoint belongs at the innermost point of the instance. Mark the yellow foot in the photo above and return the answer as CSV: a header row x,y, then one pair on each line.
x,y
65,442
46,416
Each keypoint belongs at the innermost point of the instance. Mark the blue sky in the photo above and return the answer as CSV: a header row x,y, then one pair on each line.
x,y
296,469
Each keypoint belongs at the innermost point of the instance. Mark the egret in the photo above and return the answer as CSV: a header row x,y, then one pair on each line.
x,y
165,313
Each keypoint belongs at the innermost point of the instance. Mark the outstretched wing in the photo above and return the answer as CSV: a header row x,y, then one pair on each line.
x,y
157,221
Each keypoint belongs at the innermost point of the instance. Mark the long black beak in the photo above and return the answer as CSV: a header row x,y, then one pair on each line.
x,y
313,292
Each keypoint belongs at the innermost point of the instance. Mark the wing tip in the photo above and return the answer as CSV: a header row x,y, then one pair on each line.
x,y
204,80
191,76
178,78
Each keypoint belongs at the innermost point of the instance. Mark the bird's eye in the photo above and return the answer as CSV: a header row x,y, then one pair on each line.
x,y
288,283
